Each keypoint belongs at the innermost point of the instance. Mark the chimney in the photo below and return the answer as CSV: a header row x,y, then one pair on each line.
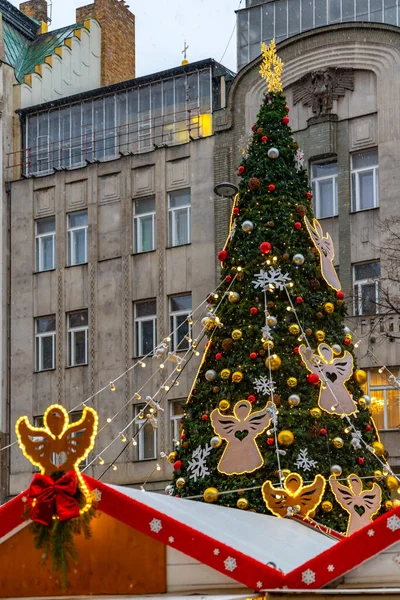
x,y
35,9
117,38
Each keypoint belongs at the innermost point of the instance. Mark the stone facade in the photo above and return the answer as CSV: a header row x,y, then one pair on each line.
x,y
35,9
117,38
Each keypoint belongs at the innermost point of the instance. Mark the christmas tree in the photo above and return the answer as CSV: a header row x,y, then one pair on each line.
x,y
276,421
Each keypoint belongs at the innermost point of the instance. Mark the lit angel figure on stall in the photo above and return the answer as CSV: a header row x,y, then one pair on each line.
x,y
333,372
362,505
326,250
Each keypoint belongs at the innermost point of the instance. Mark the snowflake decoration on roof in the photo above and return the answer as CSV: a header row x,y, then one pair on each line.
x,y
155,525
264,385
216,551
259,584
393,523
331,568
271,279
171,539
299,160
230,563
96,495
304,461
266,332
308,577
371,533
197,465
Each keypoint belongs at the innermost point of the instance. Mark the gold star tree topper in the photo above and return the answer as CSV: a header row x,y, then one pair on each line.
x,y
271,67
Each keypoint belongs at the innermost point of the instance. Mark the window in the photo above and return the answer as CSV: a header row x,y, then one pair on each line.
x,y
78,238
145,225
179,217
146,436
45,343
325,189
366,288
45,244
365,180
57,458
180,310
145,327
385,400
176,414
78,338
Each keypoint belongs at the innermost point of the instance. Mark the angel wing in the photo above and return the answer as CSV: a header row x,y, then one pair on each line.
x,y
36,443
343,79
275,499
314,367
310,495
302,90
260,420
224,426
78,439
344,365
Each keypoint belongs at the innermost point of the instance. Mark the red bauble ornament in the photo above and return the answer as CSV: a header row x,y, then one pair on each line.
x,y
251,398
228,278
209,344
339,295
313,378
253,310
287,108
322,431
271,187
270,441
297,225
361,460
285,120
253,127
183,436
177,465
368,427
218,356
296,350
265,247
241,170
309,195
264,139
236,210
223,255
346,342
253,355
194,392
204,417
299,300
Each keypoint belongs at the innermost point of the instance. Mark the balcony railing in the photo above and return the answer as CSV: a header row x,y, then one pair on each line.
x,y
94,146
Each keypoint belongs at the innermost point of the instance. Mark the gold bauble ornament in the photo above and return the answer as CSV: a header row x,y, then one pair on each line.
x,y
225,374
237,334
329,308
396,503
379,448
360,376
208,324
273,362
338,442
180,483
285,437
378,475
294,329
316,413
210,494
361,402
268,344
216,442
172,457
233,297
388,505
291,381
349,337
336,470
242,503
327,506
224,405
392,483
320,335
237,377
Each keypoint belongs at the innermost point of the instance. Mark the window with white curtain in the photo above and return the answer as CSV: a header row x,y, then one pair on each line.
x,y
144,225
78,238
180,220
45,244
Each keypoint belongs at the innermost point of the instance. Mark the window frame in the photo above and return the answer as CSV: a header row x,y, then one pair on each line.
x,y
70,234
356,201
315,181
172,228
139,437
175,421
357,304
138,321
39,345
71,349
39,238
173,324
137,232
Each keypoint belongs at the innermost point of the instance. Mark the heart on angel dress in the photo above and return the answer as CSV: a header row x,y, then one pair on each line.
x,y
331,376
359,509
240,435
58,459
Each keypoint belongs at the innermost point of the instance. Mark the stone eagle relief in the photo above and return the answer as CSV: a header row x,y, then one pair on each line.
x,y
320,88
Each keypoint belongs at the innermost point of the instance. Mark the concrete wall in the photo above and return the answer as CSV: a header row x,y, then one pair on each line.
x,y
107,286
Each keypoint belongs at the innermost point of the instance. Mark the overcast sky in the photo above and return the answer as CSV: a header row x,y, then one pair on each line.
x,y
163,25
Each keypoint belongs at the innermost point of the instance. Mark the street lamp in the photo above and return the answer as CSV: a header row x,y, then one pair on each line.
x,y
226,189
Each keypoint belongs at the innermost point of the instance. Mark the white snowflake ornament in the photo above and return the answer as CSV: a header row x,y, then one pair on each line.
x,y
308,577
271,279
96,495
230,564
155,525
197,465
304,462
393,523
264,385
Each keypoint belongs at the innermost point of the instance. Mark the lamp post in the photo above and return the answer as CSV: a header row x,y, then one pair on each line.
x,y
226,189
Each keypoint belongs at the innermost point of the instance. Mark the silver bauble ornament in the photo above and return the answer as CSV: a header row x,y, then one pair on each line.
x,y
367,400
247,226
273,153
298,259
210,375
294,400
233,297
346,330
336,349
272,321
215,442
169,490
336,470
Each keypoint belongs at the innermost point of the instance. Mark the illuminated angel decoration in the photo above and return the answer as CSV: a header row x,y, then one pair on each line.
x,y
333,372
362,505
326,250
241,453
294,497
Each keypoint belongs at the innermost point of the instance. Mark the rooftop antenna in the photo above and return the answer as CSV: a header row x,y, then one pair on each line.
x,y
185,47
49,11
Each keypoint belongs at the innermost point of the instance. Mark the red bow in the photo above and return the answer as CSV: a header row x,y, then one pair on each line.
x,y
53,498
